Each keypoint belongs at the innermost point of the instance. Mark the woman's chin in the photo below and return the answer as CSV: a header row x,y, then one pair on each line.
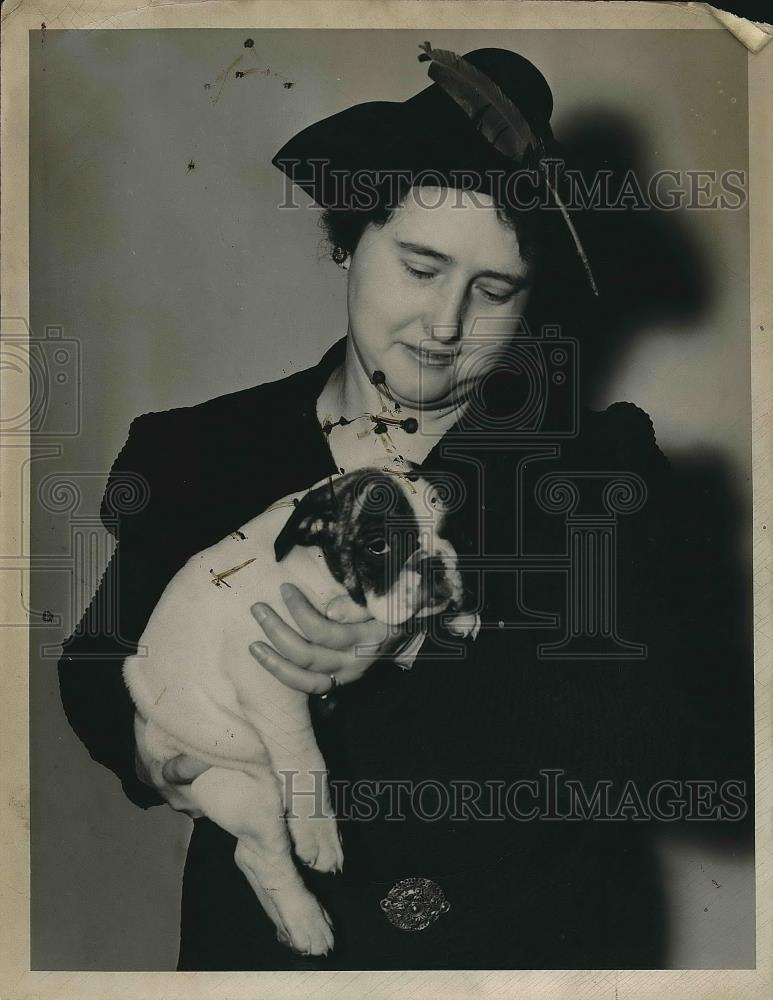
x,y
422,392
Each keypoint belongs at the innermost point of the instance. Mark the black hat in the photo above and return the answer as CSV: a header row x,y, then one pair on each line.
x,y
484,119
427,133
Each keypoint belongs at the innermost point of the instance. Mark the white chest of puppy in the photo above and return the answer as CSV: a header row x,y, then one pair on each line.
x,y
198,690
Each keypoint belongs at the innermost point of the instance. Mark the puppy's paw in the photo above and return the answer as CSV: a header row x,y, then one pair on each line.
x,y
465,625
317,843
301,922
307,928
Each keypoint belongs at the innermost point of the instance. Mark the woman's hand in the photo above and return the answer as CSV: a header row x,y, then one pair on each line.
x,y
342,644
173,780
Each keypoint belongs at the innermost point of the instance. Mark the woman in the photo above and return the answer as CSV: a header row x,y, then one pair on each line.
x,y
441,269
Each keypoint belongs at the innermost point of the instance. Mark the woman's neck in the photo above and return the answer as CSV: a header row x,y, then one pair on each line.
x,y
350,393
353,388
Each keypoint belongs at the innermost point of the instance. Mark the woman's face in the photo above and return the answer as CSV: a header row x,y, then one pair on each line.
x,y
435,294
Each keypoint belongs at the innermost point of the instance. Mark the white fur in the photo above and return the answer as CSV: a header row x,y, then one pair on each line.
x,y
199,691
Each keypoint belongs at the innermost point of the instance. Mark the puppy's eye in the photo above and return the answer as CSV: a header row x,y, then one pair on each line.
x,y
378,546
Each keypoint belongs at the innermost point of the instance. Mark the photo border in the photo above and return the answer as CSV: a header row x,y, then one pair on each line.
x,y
17,982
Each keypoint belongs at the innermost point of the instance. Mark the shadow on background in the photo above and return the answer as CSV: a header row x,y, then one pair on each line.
x,y
647,264
652,272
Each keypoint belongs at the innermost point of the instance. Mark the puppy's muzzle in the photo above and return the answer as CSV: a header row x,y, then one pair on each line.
x,y
440,584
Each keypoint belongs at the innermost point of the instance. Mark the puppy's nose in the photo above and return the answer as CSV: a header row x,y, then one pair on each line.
x,y
435,585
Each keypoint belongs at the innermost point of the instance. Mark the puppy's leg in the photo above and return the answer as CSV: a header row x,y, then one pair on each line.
x,y
281,717
310,819
251,808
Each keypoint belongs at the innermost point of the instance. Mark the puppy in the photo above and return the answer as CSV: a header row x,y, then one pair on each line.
x,y
375,536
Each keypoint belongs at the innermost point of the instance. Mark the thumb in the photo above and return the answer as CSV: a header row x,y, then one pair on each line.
x,y
344,610
183,769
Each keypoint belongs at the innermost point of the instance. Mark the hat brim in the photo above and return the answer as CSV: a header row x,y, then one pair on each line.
x,y
340,160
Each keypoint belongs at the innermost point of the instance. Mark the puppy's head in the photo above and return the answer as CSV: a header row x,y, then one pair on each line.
x,y
383,539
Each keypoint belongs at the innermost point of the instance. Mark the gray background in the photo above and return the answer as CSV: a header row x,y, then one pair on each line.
x,y
180,284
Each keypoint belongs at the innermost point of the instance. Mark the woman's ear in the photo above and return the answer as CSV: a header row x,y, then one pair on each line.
x,y
309,523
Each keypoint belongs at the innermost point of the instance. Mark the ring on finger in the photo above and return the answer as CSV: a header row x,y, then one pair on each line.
x,y
331,689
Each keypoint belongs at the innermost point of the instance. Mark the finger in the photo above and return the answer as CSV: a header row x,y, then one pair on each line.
x,y
287,641
321,630
346,611
293,647
307,681
183,769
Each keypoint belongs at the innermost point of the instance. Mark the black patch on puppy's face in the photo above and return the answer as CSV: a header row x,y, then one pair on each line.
x,y
365,526
374,538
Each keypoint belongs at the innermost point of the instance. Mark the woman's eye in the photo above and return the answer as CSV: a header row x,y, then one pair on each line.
x,y
378,547
416,273
497,297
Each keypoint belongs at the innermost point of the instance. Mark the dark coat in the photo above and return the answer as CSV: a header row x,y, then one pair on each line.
x,y
523,894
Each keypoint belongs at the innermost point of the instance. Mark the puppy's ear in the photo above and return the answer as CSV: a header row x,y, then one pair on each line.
x,y
308,523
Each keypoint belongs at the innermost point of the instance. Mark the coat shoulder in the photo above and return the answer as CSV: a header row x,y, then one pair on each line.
x,y
184,452
624,436
248,404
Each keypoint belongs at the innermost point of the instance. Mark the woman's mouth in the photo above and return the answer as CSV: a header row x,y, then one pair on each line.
x,y
432,358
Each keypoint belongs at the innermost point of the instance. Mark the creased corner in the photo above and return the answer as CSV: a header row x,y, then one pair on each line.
x,y
755,35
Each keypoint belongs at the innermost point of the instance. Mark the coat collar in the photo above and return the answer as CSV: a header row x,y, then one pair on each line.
x,y
312,381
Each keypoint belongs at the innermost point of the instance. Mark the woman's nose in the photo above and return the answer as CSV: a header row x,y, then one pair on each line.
x,y
445,321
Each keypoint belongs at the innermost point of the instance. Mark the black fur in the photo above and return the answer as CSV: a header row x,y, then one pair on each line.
x,y
351,519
